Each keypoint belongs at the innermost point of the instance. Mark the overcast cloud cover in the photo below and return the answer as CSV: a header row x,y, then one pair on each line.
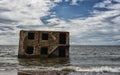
x,y
90,22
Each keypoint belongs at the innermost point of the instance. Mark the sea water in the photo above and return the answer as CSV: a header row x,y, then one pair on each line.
x,y
83,60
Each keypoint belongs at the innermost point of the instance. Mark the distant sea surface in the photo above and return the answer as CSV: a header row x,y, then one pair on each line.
x,y
83,60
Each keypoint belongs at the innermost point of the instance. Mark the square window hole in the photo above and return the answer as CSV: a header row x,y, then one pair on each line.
x,y
29,50
44,36
31,36
44,50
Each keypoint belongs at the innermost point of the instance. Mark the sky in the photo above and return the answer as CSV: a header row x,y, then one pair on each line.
x,y
90,22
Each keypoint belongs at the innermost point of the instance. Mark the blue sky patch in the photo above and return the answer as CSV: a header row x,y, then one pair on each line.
x,y
66,10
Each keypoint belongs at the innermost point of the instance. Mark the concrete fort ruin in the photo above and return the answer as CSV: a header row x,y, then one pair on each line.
x,y
43,44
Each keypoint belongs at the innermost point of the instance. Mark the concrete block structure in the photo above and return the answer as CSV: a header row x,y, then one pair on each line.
x,y
43,44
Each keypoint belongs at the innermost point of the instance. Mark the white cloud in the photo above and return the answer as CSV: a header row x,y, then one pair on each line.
x,y
74,2
21,12
103,27
104,4
26,10
57,0
116,20
9,40
117,0
99,29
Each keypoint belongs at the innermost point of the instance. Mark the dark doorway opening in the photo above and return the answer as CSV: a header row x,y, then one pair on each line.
x,y
29,50
62,38
44,50
44,36
31,36
62,52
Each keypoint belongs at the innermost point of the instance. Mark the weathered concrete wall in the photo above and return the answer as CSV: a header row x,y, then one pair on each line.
x,y
28,42
24,42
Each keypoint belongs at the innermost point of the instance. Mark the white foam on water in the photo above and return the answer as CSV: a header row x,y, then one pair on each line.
x,y
75,68
2,69
94,69
39,68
